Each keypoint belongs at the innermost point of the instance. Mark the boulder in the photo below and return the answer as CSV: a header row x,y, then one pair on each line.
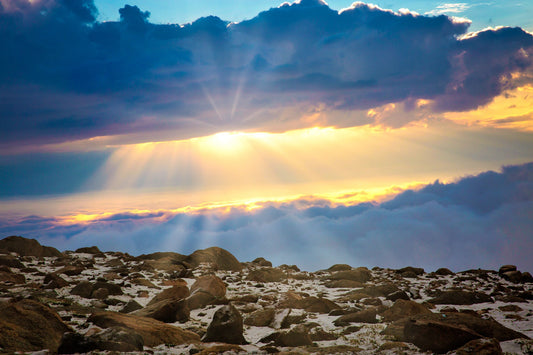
x,y
226,327
459,297
527,277
27,325
70,270
11,261
444,271
409,269
507,268
339,267
261,317
403,308
152,331
262,262
297,336
513,276
112,288
117,339
205,290
364,316
53,281
360,274
89,250
28,247
267,274
398,295
436,336
483,346
343,284
131,306
167,310
7,276
177,292
83,289
220,258
487,328
100,293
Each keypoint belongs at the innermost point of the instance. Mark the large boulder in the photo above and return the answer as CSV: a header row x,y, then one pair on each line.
x,y
218,257
89,250
205,290
176,293
28,325
297,336
226,327
483,346
310,304
261,317
10,261
361,274
436,336
167,310
364,316
6,275
152,331
28,247
430,331
117,339
403,308
459,297
266,274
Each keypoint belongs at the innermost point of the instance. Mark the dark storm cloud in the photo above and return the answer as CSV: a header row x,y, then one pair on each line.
x,y
65,76
478,221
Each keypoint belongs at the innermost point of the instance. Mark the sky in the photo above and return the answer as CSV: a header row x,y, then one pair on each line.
x,y
310,133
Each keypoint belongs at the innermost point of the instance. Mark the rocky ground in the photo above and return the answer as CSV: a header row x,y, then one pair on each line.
x,y
209,303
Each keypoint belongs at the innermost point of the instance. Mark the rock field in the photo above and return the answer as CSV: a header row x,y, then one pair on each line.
x,y
88,301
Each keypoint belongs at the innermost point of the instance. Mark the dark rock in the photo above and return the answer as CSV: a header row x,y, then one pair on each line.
x,y
409,269
266,275
262,262
89,250
70,270
458,297
526,277
226,327
289,267
444,271
398,295
382,290
152,331
143,282
53,281
83,289
222,349
506,268
364,316
27,325
437,336
100,293
319,334
112,339
28,247
402,308
487,328
7,276
513,276
112,288
483,346
11,261
510,308
167,310
131,306
222,259
360,274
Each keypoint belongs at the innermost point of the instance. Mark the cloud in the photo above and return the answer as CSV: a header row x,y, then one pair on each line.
x,y
480,221
66,76
453,8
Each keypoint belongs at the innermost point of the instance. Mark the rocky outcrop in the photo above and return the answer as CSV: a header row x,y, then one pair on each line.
x,y
459,297
153,332
28,247
116,339
205,290
28,325
267,274
402,308
167,310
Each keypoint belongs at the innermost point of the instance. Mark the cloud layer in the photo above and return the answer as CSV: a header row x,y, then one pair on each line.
x,y
479,221
66,76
